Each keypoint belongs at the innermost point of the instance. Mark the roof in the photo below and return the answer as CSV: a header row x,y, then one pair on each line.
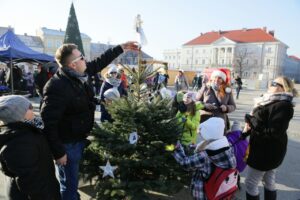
x,y
11,47
48,31
5,29
100,48
31,41
239,36
294,57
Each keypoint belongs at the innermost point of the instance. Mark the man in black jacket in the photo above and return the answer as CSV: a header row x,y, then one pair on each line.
x,y
68,110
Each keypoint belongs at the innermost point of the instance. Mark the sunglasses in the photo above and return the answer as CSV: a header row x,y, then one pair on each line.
x,y
81,57
275,84
113,72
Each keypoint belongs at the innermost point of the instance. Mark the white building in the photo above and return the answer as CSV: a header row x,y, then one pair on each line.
x,y
258,51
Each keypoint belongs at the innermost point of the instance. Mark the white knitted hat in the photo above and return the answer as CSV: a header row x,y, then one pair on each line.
x,y
113,68
218,73
112,94
212,130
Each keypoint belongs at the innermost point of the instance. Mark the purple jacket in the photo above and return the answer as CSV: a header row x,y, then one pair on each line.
x,y
240,147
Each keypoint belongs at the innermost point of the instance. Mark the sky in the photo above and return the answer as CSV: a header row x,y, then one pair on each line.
x,y
167,24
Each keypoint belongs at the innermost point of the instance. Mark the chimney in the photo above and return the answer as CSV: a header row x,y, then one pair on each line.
x,y
244,29
25,34
265,29
60,30
220,32
272,32
201,33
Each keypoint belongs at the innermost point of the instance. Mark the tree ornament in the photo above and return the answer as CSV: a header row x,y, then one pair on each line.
x,y
133,138
108,170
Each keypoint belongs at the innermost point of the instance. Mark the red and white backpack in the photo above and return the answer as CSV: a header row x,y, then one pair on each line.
x,y
222,184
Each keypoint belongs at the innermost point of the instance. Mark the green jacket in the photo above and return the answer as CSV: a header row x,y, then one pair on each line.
x,y
190,127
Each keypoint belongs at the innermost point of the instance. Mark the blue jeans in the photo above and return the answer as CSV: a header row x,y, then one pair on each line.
x,y
68,174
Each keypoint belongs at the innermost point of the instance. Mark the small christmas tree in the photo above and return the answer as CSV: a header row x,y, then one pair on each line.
x,y
72,34
141,166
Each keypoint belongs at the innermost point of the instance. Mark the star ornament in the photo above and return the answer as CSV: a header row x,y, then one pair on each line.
x,y
108,170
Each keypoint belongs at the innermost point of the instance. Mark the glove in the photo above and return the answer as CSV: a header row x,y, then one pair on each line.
x,y
210,106
183,119
244,135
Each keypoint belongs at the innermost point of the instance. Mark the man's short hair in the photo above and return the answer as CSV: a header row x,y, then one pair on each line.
x,y
63,53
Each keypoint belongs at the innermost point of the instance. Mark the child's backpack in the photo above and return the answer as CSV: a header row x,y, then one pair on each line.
x,y
222,184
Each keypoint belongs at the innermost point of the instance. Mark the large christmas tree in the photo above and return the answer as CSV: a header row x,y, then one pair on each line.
x,y
141,166
72,32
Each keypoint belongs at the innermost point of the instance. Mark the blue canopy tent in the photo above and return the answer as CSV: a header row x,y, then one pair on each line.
x,y
12,48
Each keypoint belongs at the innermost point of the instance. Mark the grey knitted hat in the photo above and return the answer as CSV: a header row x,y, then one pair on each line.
x,y
13,108
236,126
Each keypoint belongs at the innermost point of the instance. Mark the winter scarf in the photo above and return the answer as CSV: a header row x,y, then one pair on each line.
x,y
268,98
115,82
37,122
82,77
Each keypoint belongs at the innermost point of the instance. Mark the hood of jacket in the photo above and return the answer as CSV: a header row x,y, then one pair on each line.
x,y
199,106
13,130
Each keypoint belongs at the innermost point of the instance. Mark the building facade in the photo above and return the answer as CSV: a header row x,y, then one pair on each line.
x,y
248,52
52,39
292,68
127,58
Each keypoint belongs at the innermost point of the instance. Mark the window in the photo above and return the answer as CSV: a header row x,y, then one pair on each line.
x,y
187,52
222,61
268,62
255,62
187,62
247,62
229,50
203,51
196,61
58,43
174,57
223,50
203,61
49,43
196,51
269,50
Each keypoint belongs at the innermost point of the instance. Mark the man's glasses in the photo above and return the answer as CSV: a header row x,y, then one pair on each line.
x,y
275,84
81,57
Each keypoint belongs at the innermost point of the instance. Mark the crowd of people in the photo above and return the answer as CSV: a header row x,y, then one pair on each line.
x,y
67,116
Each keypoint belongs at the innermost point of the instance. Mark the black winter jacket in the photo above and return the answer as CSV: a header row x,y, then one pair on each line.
x,y
68,104
26,158
268,139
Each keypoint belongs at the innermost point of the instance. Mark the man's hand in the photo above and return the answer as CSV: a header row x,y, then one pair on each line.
x,y
223,108
62,160
130,46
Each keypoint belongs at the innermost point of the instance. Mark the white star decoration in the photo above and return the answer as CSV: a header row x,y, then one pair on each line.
x,y
108,170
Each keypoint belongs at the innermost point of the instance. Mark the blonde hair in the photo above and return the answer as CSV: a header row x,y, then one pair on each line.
x,y
288,85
